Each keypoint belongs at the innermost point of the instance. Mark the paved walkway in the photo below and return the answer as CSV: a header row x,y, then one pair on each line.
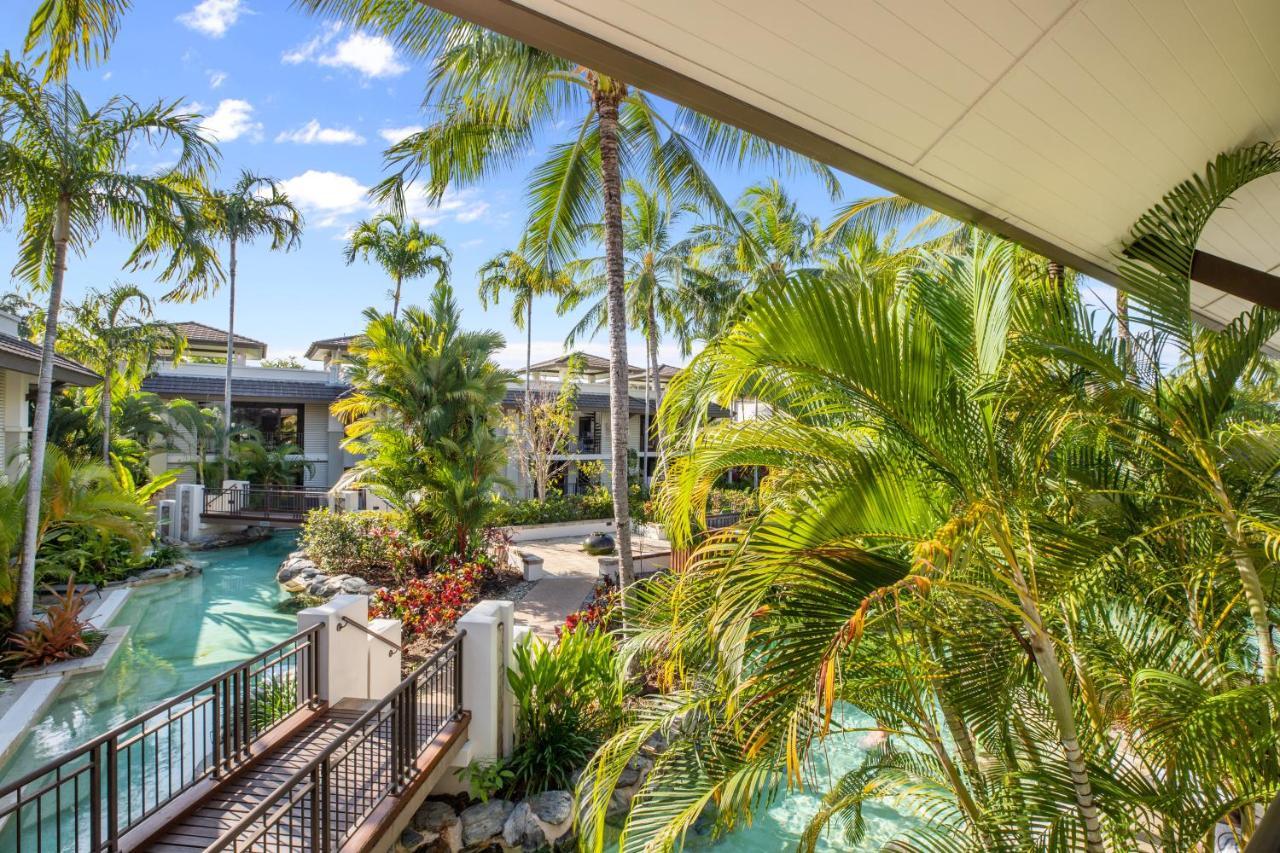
x,y
573,573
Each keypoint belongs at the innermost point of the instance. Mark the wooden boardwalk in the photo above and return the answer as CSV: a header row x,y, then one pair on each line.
x,y
200,826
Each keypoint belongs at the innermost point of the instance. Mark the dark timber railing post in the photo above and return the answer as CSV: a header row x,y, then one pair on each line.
x,y
95,799
113,794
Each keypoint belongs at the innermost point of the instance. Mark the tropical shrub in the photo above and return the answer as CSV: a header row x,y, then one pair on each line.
x,y
486,778
597,614
568,699
365,543
431,605
60,635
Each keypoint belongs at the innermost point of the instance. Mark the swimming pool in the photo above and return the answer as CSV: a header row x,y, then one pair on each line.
x,y
182,632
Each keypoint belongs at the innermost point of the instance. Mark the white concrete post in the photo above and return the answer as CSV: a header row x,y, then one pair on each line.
x,y
342,650
384,661
486,655
189,506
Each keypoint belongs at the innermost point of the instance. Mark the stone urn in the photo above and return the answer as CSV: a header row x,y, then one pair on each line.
x,y
598,543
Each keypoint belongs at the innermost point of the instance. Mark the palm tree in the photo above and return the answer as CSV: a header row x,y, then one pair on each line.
x,y
63,169
63,32
495,95
118,344
512,271
666,294
425,399
254,207
202,433
404,250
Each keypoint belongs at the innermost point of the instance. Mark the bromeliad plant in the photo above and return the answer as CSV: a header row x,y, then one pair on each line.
x,y
59,635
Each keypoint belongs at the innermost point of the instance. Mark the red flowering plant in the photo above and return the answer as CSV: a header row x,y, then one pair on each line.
x,y
431,604
598,612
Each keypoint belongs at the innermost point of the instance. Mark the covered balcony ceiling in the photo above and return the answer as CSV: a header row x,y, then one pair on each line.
x,y
1056,123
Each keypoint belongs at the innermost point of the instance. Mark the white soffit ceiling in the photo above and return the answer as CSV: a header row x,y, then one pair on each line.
x,y
1064,119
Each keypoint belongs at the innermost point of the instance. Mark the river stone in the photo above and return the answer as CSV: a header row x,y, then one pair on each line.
x,y
484,820
293,567
619,806
552,806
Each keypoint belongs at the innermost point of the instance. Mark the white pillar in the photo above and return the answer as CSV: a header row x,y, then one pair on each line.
x,y
342,650
384,661
486,655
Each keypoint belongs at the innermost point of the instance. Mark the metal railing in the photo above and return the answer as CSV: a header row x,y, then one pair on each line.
x,y
86,800
325,802
264,502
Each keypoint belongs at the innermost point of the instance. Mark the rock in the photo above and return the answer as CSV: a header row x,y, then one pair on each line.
x,y
655,743
522,829
552,806
295,586
483,821
411,841
293,567
435,816
356,586
619,806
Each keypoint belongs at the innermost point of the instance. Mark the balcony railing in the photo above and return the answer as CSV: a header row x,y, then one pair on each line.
x,y
323,804
85,801
263,502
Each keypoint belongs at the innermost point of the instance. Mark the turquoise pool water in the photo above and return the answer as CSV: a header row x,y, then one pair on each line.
x,y
181,633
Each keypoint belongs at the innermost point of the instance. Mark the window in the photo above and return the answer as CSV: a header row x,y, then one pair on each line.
x,y
279,424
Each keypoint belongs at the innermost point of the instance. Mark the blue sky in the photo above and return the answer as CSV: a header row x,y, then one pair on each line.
x,y
313,104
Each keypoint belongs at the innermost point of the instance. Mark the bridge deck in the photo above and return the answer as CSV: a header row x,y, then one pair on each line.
x,y
219,812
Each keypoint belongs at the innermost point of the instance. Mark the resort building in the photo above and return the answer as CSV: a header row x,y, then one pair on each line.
x,y
285,405
19,368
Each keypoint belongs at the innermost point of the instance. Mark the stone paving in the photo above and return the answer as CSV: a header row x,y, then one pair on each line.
x,y
573,573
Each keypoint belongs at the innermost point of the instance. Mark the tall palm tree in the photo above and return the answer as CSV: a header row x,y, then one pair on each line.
x,y
666,294
404,250
119,343
495,96
64,173
512,272
253,208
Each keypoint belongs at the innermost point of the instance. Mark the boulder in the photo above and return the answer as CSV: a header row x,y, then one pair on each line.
x,y
436,818
356,586
619,806
523,830
293,567
484,821
552,806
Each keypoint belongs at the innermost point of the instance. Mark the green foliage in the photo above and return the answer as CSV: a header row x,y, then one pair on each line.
x,y
568,699
422,414
404,250
486,778
356,542
273,699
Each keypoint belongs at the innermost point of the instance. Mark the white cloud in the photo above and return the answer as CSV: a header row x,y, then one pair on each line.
x,y
217,78
328,198
312,133
396,134
213,17
332,199
372,56
459,205
232,119
106,76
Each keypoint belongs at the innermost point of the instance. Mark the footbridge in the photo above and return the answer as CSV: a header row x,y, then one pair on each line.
x,y
316,744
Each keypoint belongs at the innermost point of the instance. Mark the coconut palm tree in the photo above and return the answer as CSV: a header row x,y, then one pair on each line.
x,y
63,175
118,343
666,294
253,208
404,250
495,96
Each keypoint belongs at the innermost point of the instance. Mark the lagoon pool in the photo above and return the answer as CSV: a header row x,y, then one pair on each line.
x,y
181,632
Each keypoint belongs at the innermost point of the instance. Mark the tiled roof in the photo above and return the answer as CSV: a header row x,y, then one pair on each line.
x,y
24,356
341,342
597,364
199,333
212,388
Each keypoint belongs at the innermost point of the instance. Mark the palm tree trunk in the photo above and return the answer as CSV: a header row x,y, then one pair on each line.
x,y
395,303
231,348
619,401
24,617
652,355
1256,599
105,408
528,391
